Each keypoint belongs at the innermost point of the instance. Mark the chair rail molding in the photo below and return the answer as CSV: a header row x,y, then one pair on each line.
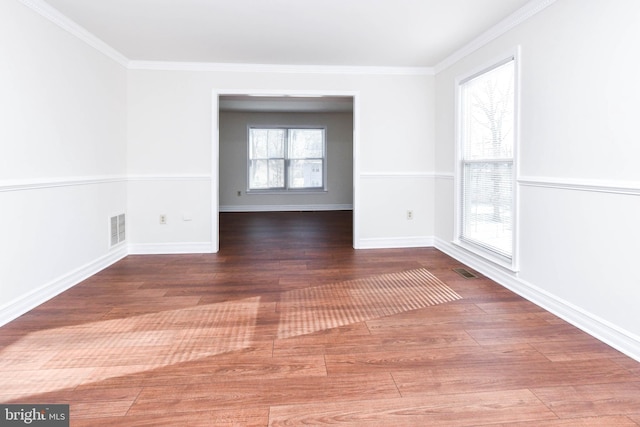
x,y
630,188
44,183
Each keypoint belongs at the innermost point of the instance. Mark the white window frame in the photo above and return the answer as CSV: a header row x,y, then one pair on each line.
x,y
287,161
509,263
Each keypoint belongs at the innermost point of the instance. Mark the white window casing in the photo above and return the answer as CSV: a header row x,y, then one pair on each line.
x,y
486,170
284,159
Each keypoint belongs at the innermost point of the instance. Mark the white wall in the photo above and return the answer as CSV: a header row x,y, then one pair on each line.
x,y
170,139
62,162
579,181
233,162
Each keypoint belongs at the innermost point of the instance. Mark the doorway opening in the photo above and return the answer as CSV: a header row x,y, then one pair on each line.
x,y
236,113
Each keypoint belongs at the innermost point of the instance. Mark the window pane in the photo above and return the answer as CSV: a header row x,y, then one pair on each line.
x,y
488,114
270,154
306,143
266,143
258,174
258,143
266,174
486,205
276,143
276,173
305,174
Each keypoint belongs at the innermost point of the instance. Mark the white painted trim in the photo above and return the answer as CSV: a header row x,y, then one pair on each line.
x,y
396,242
445,175
215,171
518,17
216,93
279,92
631,188
285,208
488,256
29,301
171,248
511,263
277,68
596,186
38,184
356,172
62,21
618,338
398,175
176,177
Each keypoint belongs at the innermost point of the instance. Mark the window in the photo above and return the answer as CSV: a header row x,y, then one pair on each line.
x,y
286,159
486,169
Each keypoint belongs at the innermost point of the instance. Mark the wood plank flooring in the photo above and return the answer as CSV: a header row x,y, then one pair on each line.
x,y
288,325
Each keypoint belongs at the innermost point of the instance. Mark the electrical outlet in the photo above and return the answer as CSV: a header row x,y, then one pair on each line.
x,y
239,193
163,219
409,214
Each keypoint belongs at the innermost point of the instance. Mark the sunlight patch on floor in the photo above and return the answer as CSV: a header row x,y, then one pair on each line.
x,y
304,311
67,357
64,358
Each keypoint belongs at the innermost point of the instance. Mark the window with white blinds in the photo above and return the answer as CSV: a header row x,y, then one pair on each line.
x,y
487,162
283,159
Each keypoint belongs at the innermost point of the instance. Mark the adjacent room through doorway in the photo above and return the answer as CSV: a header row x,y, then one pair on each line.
x,y
286,153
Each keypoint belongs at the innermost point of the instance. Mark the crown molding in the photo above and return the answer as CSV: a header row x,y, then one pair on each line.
x,y
62,21
57,18
518,17
277,68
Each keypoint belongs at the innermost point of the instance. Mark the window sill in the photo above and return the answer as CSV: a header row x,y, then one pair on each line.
x,y
503,262
286,192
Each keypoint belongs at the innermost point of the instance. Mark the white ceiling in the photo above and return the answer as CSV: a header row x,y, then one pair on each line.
x,y
380,33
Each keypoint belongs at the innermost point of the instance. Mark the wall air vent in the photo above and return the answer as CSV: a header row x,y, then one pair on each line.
x,y
117,229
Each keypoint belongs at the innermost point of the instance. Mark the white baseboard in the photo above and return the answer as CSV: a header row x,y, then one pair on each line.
x,y
171,248
24,303
616,337
395,242
284,208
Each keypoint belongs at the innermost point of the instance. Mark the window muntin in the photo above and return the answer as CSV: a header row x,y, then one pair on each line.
x,y
287,159
487,162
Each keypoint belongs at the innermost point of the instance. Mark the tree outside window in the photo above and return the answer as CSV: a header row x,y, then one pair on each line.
x,y
487,159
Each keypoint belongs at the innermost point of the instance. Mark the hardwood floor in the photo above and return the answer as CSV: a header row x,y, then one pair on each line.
x,y
288,325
